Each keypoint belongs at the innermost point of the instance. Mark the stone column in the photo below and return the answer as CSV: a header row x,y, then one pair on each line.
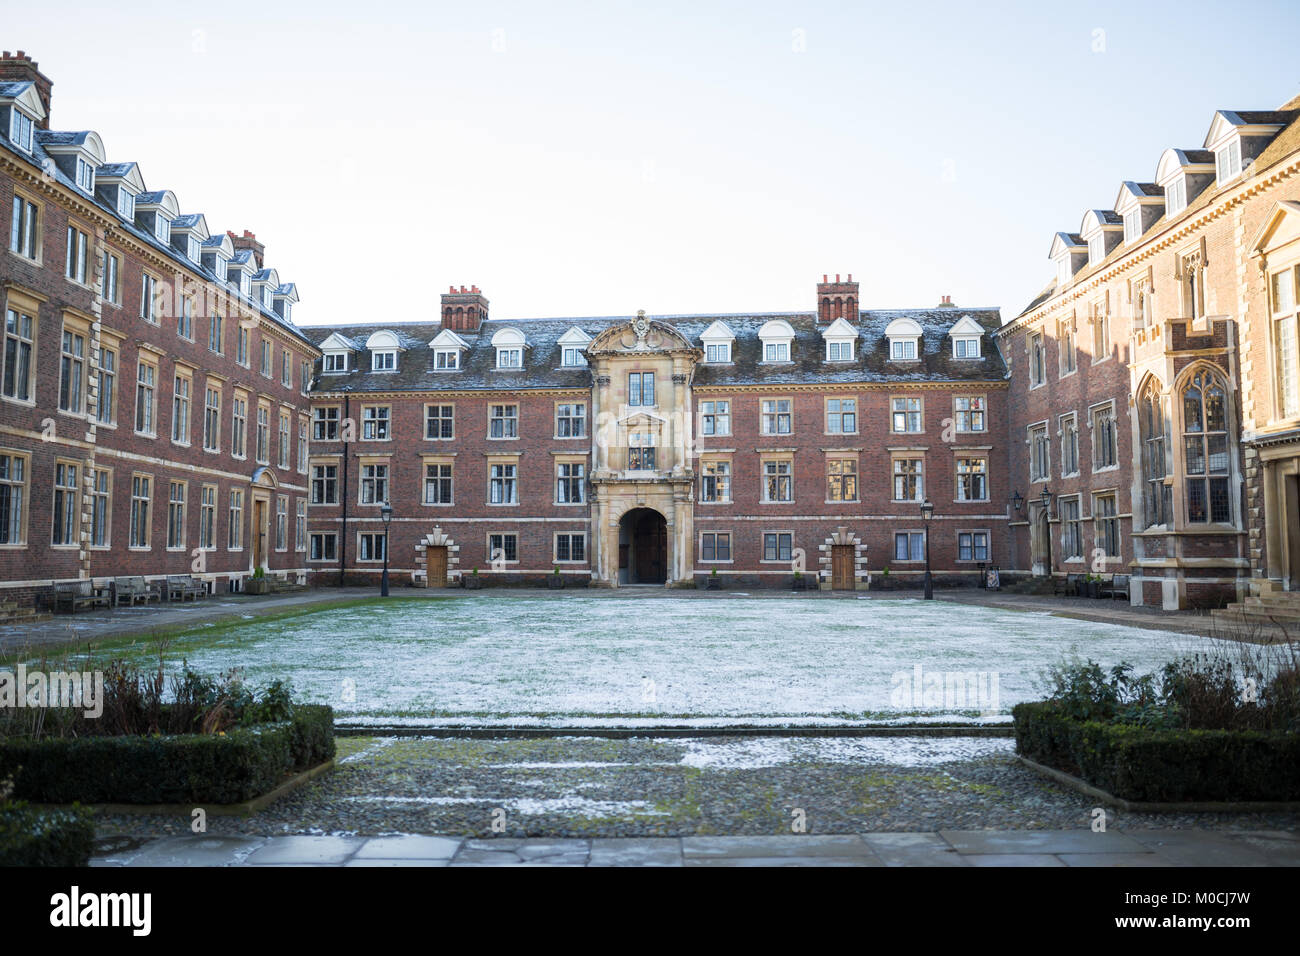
x,y
1273,522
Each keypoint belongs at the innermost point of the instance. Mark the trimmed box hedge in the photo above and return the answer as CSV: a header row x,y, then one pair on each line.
x,y
32,837
239,765
1162,766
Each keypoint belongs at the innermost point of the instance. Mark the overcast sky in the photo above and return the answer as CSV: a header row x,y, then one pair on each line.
x,y
579,159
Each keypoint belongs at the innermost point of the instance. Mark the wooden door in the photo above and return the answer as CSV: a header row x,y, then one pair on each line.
x,y
259,532
437,567
842,567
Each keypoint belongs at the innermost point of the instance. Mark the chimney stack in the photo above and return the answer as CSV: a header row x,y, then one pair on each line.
x,y
837,300
465,309
249,241
946,303
21,68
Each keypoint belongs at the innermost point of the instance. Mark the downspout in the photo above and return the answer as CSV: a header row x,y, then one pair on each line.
x,y
343,537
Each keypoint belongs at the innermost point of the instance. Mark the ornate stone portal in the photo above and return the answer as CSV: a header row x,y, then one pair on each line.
x,y
642,443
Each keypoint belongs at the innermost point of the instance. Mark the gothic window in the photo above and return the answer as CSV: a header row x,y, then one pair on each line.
x,y
1205,449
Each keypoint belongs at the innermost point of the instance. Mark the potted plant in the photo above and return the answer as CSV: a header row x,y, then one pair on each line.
x,y
555,581
259,583
1089,586
473,582
799,583
713,582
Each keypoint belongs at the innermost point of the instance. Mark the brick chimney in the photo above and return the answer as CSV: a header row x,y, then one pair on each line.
x,y
838,299
249,241
464,309
946,303
20,68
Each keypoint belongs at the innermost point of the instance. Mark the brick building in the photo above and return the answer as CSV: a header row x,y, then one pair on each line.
x,y
153,410
661,449
1154,382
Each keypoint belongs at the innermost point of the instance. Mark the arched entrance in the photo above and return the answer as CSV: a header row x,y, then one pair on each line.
x,y
642,547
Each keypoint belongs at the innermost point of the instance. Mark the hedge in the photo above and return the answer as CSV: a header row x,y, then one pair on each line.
x,y
31,837
1162,766
182,768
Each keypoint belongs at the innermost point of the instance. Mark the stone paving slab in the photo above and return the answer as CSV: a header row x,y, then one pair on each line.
x,y
1051,848
1040,841
846,845
300,850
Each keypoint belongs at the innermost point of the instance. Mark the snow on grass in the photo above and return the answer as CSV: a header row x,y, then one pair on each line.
x,y
590,661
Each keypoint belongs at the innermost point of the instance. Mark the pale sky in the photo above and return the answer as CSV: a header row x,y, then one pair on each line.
x,y
576,159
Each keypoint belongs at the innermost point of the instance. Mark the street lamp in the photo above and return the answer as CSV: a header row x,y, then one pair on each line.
x,y
386,513
1046,499
927,512
1017,502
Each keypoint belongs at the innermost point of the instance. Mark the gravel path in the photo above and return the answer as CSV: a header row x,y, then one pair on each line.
x,y
646,787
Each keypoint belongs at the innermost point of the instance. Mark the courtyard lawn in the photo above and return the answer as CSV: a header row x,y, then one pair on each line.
x,y
592,660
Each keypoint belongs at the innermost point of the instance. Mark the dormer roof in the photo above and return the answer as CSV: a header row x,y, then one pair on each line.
x,y
575,336
1139,193
965,326
903,327
1099,220
219,244
24,95
1064,242
776,329
1227,123
86,141
719,331
384,341
163,199
509,337
337,343
124,174
840,329
1173,161
447,339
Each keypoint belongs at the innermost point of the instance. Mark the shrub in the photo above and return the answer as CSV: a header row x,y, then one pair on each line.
x,y
1140,763
226,767
32,837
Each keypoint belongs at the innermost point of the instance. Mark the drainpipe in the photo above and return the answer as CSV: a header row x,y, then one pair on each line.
x,y
343,536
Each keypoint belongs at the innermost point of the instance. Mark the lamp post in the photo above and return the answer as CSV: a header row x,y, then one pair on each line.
x,y
1046,499
1017,501
927,512
386,513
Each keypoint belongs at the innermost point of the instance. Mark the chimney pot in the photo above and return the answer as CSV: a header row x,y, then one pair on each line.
x,y
825,278
837,277
850,276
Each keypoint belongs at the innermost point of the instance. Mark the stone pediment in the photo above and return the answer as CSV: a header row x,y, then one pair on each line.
x,y
639,336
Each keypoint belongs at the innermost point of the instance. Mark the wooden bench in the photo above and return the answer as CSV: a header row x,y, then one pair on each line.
x,y
182,586
1116,586
132,589
73,597
1069,587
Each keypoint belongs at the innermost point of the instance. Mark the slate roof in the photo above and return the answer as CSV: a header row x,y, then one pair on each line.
x,y
542,367
39,157
187,220
12,88
1282,145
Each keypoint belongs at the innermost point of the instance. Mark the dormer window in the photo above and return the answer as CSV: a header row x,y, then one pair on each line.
x,y
446,360
221,269
777,337
162,228
510,346
966,347
266,297
335,362
447,346
126,204
1096,249
966,335
717,339
841,341
1063,272
85,176
243,283
20,129
571,345
192,248
1227,161
383,347
1133,225
904,336
1175,196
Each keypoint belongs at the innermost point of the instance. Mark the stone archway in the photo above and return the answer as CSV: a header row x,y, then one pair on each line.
x,y
642,547
843,546
447,561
